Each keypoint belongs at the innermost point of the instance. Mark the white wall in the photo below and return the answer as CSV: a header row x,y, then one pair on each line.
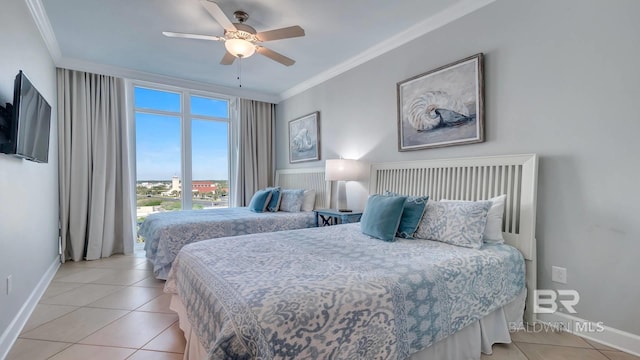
x,y
561,80
28,190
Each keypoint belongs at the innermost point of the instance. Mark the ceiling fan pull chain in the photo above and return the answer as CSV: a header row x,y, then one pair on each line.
x,y
240,71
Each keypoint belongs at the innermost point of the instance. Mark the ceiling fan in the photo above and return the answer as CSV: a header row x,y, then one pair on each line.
x,y
240,39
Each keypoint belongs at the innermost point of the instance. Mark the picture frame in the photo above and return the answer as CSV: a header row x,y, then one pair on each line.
x,y
442,107
304,138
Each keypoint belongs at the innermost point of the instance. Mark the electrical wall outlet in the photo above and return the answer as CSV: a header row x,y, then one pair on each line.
x,y
559,274
9,284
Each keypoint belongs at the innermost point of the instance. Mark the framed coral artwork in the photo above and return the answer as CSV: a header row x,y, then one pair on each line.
x,y
442,107
304,138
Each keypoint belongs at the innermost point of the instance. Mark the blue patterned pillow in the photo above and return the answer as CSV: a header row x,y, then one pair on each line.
x,y
456,223
382,216
411,214
291,200
493,230
260,200
276,197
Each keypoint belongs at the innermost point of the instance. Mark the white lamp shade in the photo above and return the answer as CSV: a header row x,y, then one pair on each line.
x,y
240,48
342,170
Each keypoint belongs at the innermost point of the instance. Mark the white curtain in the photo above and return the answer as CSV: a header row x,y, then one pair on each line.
x,y
255,168
96,216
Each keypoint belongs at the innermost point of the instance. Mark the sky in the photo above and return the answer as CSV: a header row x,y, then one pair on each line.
x,y
158,137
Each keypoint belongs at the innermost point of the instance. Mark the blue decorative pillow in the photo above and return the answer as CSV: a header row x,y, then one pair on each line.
x,y
260,200
276,197
411,215
382,216
456,223
291,200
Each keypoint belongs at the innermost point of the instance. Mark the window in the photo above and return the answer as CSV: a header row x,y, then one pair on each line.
x,y
182,142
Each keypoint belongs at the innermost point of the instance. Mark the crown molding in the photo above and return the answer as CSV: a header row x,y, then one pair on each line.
x,y
432,23
88,66
46,31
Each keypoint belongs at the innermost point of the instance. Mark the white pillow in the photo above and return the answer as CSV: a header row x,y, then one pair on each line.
x,y
493,231
309,201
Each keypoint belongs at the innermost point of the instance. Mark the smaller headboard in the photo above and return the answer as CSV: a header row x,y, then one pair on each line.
x,y
306,178
478,178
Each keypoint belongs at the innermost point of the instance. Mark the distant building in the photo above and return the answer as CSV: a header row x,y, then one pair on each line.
x,y
203,186
176,187
149,185
175,184
197,186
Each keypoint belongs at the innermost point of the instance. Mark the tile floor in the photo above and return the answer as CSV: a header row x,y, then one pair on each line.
x,y
106,309
114,309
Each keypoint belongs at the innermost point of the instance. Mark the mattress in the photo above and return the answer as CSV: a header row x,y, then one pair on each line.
x,y
333,292
166,233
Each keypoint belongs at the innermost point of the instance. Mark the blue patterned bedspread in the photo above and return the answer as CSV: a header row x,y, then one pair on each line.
x,y
334,293
166,233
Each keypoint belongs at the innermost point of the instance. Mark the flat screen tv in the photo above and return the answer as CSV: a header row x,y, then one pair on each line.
x,y
29,132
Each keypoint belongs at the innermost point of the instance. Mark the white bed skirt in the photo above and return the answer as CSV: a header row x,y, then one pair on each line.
x,y
466,344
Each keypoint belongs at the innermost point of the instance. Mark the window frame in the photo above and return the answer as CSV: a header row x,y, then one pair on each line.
x,y
186,117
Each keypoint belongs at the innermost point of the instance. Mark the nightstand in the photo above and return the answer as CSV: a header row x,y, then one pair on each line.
x,y
328,217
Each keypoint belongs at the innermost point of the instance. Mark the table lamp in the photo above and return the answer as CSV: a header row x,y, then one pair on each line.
x,y
342,170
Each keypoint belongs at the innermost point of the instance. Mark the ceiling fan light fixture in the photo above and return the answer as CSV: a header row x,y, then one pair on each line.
x,y
240,48
240,39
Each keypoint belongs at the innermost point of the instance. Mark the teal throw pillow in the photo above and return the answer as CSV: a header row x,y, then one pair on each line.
x,y
412,213
381,216
276,197
260,200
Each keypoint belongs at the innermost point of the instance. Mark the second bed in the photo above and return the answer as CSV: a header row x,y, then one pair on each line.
x,y
166,233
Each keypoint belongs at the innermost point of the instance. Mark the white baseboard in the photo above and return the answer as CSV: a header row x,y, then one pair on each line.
x,y
595,331
11,334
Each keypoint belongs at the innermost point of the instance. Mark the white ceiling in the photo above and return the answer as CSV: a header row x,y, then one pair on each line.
x,y
126,35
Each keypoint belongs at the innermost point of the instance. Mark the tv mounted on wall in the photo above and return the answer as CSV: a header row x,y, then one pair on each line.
x,y
28,122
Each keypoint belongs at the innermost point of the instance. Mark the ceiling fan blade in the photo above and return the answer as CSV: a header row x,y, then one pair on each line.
x,y
227,59
283,33
275,56
192,36
214,10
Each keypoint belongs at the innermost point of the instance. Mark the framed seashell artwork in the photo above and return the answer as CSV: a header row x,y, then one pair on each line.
x,y
442,107
304,138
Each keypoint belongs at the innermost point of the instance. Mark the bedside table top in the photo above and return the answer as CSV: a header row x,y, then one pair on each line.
x,y
328,217
335,212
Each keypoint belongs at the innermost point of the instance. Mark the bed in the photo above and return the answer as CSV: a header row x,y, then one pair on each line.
x,y
336,293
166,233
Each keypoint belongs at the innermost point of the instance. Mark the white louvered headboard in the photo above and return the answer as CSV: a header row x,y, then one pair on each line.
x,y
306,178
477,178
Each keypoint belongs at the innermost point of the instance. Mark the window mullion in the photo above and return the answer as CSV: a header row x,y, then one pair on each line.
x,y
208,118
156,112
187,167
